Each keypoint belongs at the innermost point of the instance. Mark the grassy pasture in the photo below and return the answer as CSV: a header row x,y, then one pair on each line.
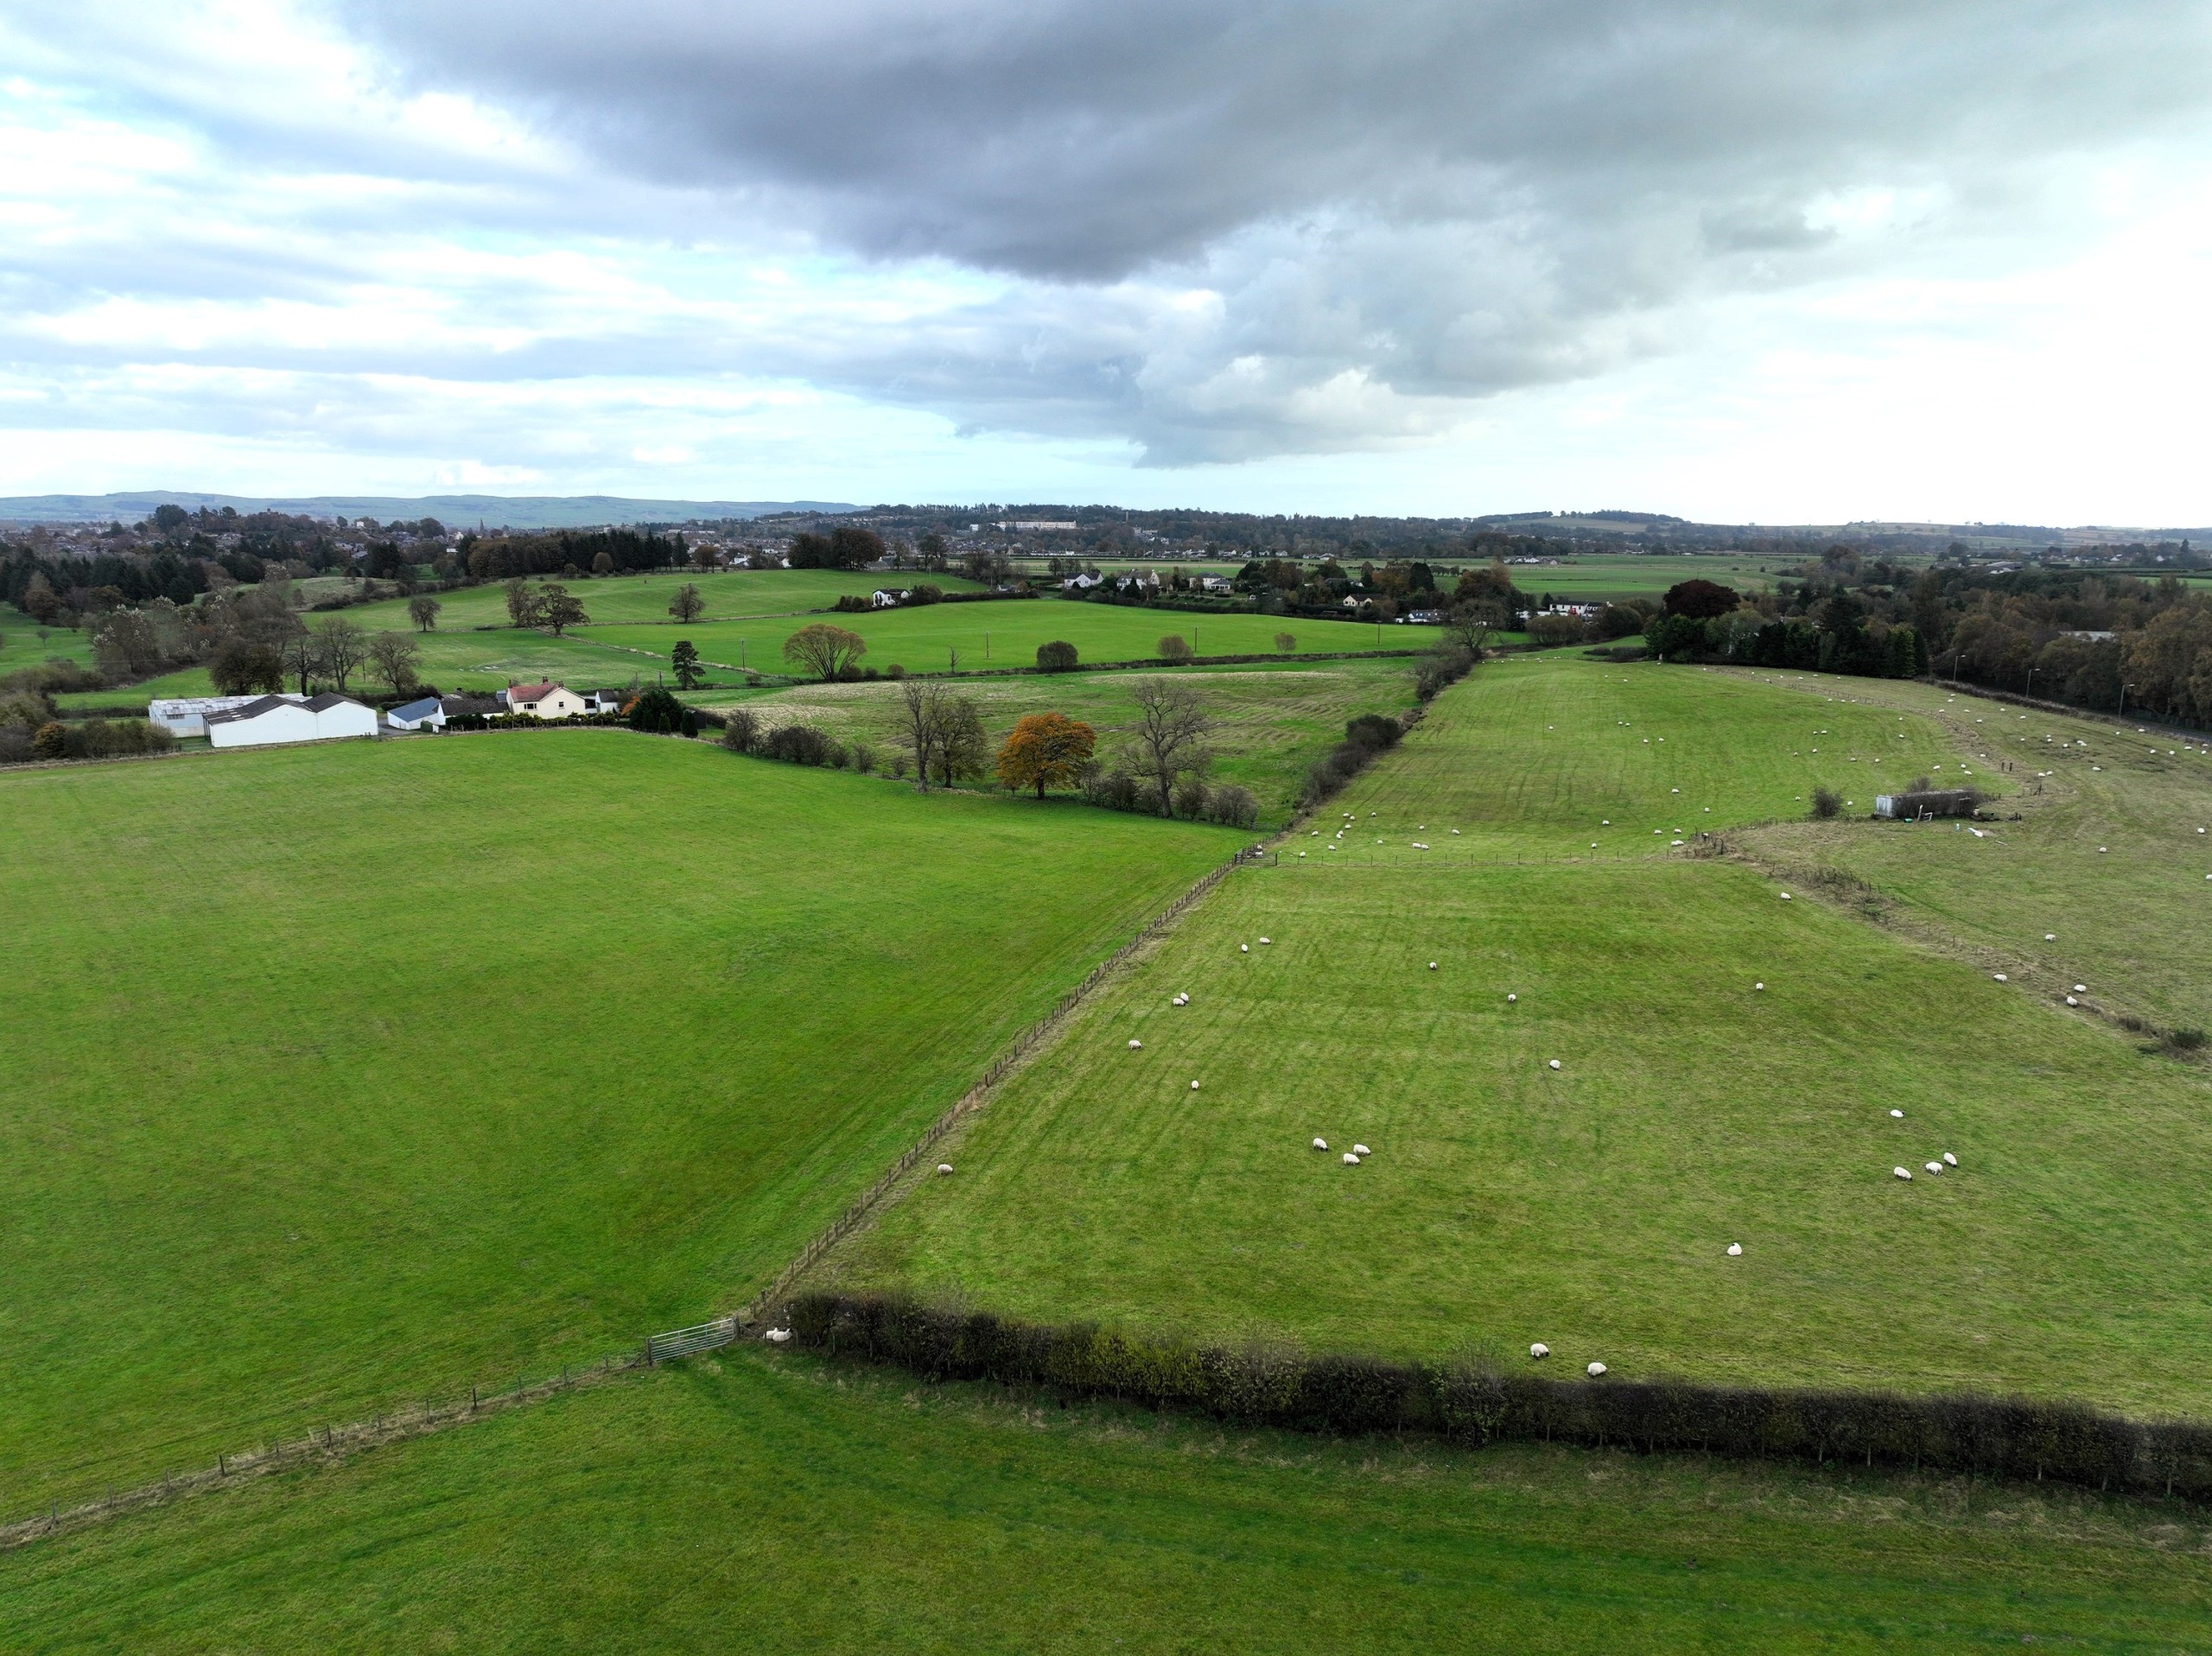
x,y
825,1511
21,647
338,1073
1590,1208
644,599
1593,577
927,639
1273,721
2110,853
1533,755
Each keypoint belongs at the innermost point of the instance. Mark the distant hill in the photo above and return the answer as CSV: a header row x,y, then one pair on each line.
x,y
455,511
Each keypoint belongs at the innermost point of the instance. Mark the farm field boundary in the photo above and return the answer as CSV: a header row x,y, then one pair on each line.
x,y
1019,1049
1350,1395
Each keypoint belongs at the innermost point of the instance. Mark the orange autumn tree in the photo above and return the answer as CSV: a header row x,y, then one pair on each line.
x,y
1046,750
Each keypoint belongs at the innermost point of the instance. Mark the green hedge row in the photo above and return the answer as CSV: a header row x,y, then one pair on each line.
x,y
1479,1404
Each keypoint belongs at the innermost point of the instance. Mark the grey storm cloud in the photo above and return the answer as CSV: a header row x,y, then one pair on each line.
x,y
1388,208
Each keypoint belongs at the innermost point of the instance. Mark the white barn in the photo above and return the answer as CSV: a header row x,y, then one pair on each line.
x,y
187,716
272,718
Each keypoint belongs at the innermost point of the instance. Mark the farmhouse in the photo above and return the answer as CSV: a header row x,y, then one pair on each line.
x,y
414,715
548,701
273,718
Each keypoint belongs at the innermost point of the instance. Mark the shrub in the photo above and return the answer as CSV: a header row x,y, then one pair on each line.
x,y
1058,657
1191,796
688,724
863,757
1826,804
741,730
656,711
1285,644
1373,731
797,744
1550,630
894,671
1233,807
1117,790
51,741
1441,669
2185,1040
1174,648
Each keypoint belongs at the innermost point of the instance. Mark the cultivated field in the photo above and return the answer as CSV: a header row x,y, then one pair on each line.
x,y
1590,1206
339,1074
782,1506
1272,723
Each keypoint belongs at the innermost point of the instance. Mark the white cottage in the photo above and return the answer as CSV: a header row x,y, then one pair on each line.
x,y
271,720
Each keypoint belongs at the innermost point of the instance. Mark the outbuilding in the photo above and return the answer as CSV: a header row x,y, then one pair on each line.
x,y
187,716
272,720
428,713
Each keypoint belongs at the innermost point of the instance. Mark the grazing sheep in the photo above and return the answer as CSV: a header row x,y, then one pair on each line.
x,y
2081,988
2071,1002
1243,948
1135,1045
1554,1063
2051,936
1350,1160
1320,1144
1540,1350
1758,986
1898,1115
777,1337
1194,1087
1510,999
1431,966
1361,1150
1785,896
1950,1160
1735,1250
1933,1167
1267,940
1596,1371
1903,1172
2000,976
944,1168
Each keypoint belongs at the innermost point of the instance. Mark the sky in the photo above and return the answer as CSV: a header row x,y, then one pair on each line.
x,y
1813,261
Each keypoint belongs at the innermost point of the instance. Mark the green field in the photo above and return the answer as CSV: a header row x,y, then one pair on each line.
x,y
336,1074
1590,1206
772,1504
631,600
1006,634
2108,857
20,646
1272,723
1591,577
1540,756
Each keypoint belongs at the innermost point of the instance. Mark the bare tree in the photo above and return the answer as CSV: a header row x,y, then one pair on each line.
x,y
344,646
523,605
303,653
423,610
686,606
392,656
963,749
1173,724
920,721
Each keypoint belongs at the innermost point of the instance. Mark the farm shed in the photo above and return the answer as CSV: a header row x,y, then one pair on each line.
x,y
416,714
188,715
273,718
1928,802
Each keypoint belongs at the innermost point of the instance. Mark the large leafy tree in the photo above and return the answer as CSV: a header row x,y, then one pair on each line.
x,y
559,608
1046,750
827,652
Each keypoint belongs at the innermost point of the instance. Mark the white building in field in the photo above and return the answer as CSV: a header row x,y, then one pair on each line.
x,y
543,700
187,716
269,719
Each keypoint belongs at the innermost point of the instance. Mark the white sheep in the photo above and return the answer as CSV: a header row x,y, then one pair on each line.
x,y
1540,1351
1596,1371
1194,1087
1735,1250
1950,1160
1361,1150
1785,896
1758,986
1267,940
1320,1144
777,1337
2000,976
944,1168
2051,936
1136,1045
2071,1002
1431,966
1554,1063
1898,1115
2081,988
1903,1172
1243,948
1350,1160
1509,1000
1933,1167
